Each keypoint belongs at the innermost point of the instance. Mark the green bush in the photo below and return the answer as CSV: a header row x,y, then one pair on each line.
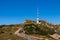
x,y
38,29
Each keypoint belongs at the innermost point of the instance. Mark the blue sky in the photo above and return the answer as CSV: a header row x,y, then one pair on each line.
x,y
16,11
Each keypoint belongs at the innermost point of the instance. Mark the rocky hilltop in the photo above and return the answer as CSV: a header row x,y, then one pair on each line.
x,y
43,30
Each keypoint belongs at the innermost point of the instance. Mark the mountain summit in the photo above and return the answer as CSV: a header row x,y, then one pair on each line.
x,y
43,30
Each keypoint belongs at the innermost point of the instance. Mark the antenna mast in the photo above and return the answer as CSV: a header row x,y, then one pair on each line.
x,y
37,17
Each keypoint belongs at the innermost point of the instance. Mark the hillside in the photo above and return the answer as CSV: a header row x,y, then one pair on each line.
x,y
43,29
7,32
30,27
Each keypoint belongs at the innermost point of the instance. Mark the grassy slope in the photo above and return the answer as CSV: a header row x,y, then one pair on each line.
x,y
7,33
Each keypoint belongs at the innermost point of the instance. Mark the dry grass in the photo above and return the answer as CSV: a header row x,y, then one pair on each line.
x,y
7,33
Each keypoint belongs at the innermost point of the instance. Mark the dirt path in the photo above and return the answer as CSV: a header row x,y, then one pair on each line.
x,y
29,37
